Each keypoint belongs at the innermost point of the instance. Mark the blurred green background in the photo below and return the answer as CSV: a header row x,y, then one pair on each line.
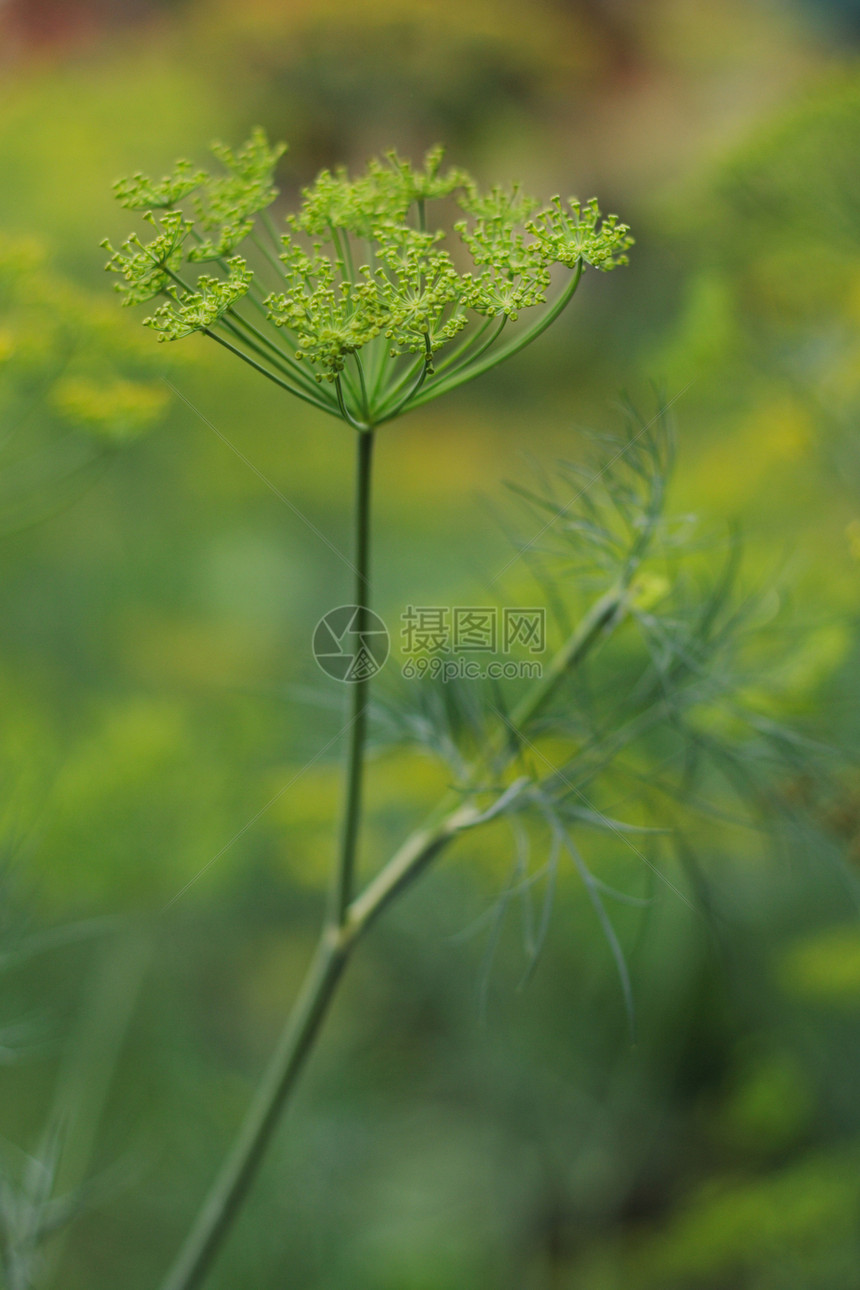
x,y
162,715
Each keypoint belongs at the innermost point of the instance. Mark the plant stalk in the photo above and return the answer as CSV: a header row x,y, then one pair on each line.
x,y
348,919
359,697
239,1169
469,370
335,942
451,816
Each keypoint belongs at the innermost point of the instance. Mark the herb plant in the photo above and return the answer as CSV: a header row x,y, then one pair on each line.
x,y
359,308
363,307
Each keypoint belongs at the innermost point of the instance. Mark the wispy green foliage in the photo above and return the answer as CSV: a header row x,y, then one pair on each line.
x,y
34,1210
46,1187
349,306
642,727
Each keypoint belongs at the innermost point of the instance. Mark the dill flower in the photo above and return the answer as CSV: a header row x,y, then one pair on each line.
x,y
354,303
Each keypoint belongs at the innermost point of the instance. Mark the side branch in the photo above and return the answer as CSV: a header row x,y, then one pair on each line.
x,y
348,920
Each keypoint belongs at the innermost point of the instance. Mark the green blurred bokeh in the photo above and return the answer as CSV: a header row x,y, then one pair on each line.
x,y
163,717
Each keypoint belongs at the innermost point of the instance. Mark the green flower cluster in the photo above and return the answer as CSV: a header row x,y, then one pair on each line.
x,y
357,291
576,234
148,268
420,290
515,273
199,310
140,193
331,316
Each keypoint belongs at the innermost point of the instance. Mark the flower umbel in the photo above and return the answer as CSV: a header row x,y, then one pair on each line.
x,y
199,310
576,234
350,302
148,267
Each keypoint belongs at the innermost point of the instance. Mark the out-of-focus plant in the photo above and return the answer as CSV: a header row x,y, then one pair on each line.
x,y
359,309
768,322
73,384
47,1185
73,387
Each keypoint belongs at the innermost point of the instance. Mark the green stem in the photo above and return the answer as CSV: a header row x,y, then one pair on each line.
x,y
435,388
344,410
599,619
464,346
451,816
397,385
260,344
239,1169
258,367
468,360
380,355
272,258
347,921
360,690
365,405
231,1186
391,413
273,233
